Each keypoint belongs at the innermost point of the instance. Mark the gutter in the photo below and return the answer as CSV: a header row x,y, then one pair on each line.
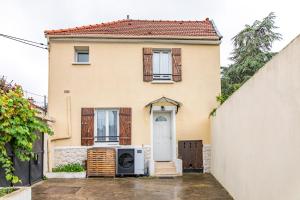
x,y
115,36
214,40
69,130
69,127
135,40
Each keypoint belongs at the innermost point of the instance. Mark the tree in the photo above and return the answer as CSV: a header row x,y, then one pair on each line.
x,y
252,49
18,125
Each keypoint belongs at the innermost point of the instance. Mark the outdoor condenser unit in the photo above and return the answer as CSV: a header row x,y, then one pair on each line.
x,y
130,161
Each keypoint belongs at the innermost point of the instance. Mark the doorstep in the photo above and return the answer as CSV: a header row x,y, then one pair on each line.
x,y
165,169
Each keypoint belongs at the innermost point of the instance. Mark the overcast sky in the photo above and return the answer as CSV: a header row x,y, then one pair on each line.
x,y
28,19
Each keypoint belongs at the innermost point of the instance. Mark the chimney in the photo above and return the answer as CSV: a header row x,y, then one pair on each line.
x,y
127,17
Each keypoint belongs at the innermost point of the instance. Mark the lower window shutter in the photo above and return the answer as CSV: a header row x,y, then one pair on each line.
x,y
176,64
125,119
87,126
147,62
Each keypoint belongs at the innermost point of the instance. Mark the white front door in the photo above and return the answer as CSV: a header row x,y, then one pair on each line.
x,y
162,137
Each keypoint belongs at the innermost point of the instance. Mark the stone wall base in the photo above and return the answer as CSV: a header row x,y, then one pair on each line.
x,y
206,158
72,154
78,154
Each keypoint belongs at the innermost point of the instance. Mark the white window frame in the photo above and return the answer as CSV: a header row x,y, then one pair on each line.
x,y
78,50
158,77
106,142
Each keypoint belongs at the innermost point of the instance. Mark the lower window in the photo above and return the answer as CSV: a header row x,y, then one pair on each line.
x,y
107,125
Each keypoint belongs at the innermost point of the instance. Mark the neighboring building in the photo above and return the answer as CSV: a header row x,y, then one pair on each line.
x,y
133,82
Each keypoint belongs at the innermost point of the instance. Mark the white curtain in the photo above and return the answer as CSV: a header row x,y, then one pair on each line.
x,y
113,125
101,125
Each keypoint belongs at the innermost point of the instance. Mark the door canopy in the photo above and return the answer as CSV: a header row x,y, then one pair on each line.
x,y
164,101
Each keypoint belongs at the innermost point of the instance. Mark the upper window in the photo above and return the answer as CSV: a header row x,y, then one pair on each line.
x,y
81,54
107,125
162,65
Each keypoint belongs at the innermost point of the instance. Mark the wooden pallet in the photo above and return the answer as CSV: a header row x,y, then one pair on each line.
x,y
101,162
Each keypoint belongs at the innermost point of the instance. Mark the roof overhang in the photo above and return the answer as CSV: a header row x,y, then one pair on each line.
x,y
216,29
164,100
213,40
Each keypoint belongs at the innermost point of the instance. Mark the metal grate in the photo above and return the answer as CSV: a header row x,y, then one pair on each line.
x,y
163,77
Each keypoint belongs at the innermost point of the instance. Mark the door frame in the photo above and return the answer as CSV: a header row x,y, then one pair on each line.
x,y
172,111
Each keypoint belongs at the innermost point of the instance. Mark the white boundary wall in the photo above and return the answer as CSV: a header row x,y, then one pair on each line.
x,y
256,133
23,193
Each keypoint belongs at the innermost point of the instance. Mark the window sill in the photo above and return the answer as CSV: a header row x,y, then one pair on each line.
x,y
105,144
162,82
81,63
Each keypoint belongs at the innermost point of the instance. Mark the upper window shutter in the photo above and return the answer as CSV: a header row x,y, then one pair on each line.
x,y
125,126
147,61
176,64
87,126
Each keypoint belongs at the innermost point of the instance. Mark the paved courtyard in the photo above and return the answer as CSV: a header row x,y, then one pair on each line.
x,y
190,187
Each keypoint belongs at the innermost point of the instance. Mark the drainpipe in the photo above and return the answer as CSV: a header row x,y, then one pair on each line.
x,y
68,136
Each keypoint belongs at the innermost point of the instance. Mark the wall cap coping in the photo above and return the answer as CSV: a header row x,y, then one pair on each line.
x,y
65,175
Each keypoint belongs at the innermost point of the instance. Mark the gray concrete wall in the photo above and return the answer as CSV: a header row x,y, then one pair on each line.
x,y
256,133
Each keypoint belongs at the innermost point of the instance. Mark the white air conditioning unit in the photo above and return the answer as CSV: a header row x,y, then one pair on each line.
x,y
130,161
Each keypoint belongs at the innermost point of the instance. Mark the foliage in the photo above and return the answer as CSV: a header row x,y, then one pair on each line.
x,y
72,167
252,49
220,99
213,112
18,125
5,191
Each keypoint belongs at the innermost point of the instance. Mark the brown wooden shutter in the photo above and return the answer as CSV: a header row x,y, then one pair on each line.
x,y
176,64
147,60
125,126
87,126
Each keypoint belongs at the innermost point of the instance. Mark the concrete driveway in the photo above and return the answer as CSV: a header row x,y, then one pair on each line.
x,y
190,187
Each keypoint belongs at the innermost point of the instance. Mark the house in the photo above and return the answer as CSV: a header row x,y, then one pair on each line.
x,y
145,83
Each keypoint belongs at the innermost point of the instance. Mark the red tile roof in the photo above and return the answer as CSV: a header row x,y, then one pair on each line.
x,y
145,28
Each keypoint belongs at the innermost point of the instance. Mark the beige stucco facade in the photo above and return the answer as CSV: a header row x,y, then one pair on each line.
x,y
114,78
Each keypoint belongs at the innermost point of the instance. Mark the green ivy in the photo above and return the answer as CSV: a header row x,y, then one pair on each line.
x,y
18,125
